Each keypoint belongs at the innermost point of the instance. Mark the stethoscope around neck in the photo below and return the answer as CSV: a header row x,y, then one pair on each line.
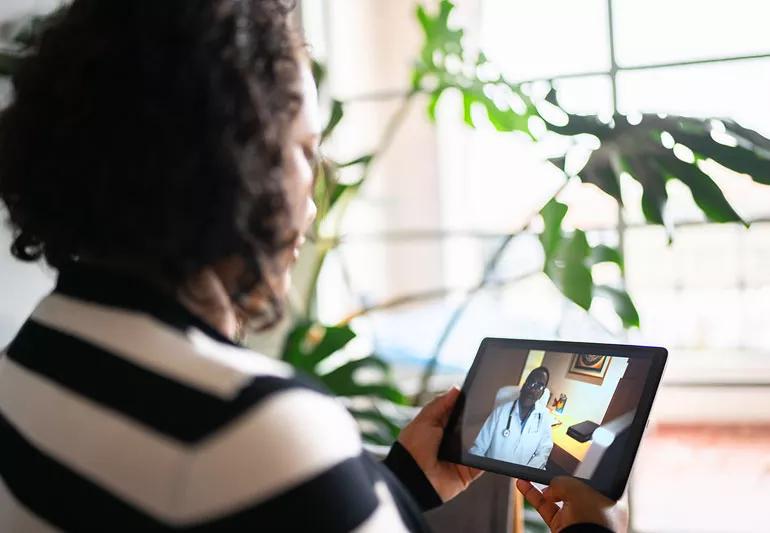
x,y
507,430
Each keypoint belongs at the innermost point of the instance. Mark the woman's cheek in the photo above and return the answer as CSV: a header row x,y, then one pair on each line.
x,y
312,211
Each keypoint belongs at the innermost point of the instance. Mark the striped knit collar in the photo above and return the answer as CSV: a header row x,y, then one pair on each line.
x,y
125,291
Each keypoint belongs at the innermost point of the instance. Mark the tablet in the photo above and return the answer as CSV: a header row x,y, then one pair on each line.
x,y
535,409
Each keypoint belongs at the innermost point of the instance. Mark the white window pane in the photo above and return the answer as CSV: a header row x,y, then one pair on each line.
x,y
689,297
529,39
750,199
657,31
590,95
11,9
313,27
737,90
370,46
484,174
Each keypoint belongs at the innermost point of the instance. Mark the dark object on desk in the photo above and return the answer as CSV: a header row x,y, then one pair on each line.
x,y
583,431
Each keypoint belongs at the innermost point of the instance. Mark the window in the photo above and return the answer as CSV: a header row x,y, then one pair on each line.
x,y
463,189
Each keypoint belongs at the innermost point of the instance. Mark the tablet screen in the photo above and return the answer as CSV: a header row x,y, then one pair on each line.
x,y
562,412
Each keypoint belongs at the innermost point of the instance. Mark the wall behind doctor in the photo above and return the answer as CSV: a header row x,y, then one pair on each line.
x,y
585,401
499,368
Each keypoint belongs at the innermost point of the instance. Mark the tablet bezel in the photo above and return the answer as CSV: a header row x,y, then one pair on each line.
x,y
450,451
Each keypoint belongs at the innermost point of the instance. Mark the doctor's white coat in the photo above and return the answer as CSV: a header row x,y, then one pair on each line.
x,y
529,446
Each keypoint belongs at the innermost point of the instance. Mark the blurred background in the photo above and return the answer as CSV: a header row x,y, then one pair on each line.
x,y
453,207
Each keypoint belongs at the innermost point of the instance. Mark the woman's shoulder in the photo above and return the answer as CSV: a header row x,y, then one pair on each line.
x,y
253,381
285,435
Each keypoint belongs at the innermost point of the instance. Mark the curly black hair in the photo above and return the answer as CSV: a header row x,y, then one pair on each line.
x,y
151,132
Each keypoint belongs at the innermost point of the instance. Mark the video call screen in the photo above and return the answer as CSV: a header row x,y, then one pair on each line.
x,y
566,413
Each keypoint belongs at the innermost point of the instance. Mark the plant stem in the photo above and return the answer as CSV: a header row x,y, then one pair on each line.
x,y
386,140
432,363
430,367
429,295
378,96
419,235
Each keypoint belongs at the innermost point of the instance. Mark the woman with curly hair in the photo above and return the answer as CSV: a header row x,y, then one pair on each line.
x,y
159,155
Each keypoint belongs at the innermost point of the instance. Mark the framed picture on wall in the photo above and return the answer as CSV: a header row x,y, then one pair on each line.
x,y
589,365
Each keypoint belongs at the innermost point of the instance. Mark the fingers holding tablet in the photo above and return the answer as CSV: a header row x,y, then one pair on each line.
x,y
421,438
545,508
581,505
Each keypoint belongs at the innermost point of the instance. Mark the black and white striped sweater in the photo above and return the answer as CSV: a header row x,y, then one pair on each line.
x,y
121,411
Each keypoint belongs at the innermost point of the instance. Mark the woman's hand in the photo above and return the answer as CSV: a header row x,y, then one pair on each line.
x,y
582,505
421,438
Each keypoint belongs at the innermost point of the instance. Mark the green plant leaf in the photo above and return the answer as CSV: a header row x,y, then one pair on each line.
x,y
442,41
468,101
376,417
653,202
553,213
343,188
606,254
622,303
576,278
362,160
579,124
344,375
569,269
433,103
745,158
319,72
423,19
335,116
308,344
707,195
439,37
603,176
505,119
377,437
653,180
568,262
639,150
377,390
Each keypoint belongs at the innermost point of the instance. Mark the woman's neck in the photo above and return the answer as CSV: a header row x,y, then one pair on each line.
x,y
204,295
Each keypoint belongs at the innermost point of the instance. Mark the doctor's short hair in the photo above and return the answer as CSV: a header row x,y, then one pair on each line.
x,y
541,369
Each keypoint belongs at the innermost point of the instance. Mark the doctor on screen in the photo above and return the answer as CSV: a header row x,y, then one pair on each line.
x,y
519,431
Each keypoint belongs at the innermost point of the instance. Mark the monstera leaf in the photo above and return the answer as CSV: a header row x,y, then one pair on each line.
x,y
645,150
568,261
308,345
440,40
568,256
443,65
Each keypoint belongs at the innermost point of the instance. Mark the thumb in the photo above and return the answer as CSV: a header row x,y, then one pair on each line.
x,y
564,489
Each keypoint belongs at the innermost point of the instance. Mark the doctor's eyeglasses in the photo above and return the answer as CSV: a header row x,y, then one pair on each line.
x,y
534,385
